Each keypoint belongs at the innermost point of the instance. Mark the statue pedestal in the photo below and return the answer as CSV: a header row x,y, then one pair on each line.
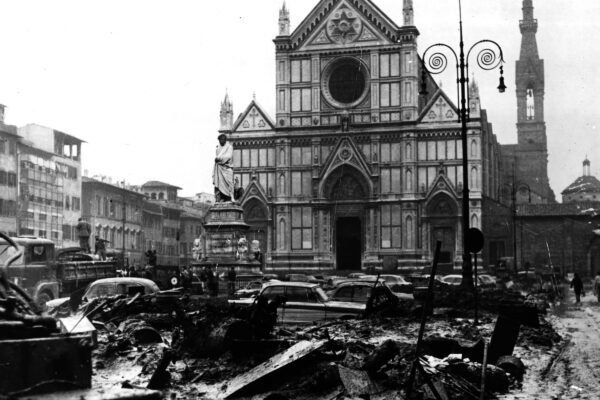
x,y
224,227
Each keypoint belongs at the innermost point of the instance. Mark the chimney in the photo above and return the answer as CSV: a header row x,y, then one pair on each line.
x,y
2,107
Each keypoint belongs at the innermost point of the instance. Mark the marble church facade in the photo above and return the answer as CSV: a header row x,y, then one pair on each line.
x,y
356,169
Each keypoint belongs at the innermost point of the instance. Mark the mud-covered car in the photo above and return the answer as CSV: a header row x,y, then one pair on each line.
x,y
109,287
252,289
304,303
396,283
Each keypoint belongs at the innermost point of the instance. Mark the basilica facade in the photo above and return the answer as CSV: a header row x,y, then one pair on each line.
x,y
357,169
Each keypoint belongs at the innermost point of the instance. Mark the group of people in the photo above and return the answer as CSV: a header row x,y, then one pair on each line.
x,y
578,288
209,281
84,231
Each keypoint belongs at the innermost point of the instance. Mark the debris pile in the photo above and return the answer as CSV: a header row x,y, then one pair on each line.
x,y
215,352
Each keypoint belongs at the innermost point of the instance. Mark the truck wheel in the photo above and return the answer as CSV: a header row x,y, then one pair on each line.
x,y
42,298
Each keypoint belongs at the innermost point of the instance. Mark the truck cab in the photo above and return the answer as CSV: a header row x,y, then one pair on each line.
x,y
46,273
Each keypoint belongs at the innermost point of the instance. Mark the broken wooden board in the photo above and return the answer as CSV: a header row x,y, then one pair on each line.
x,y
271,366
356,382
115,393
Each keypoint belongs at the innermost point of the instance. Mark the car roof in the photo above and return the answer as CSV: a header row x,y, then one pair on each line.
x,y
141,281
298,284
355,283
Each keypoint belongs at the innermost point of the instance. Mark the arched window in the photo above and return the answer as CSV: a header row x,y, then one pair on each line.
x,y
409,233
408,180
530,105
281,157
474,178
281,186
408,151
474,221
161,196
473,148
281,235
153,196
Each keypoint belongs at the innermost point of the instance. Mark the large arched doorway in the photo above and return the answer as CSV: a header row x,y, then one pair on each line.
x,y
257,216
347,190
443,216
594,256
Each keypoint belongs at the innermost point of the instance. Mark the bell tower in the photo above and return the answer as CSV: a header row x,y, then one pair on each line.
x,y
226,115
532,150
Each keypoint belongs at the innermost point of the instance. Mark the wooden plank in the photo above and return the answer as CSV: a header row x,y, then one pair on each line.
x,y
115,393
271,366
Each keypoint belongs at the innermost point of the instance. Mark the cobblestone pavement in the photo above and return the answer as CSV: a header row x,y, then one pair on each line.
x,y
572,369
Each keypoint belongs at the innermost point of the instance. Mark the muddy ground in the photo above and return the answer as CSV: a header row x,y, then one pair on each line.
x,y
570,370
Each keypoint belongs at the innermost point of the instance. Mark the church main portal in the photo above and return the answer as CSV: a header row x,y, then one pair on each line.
x,y
348,243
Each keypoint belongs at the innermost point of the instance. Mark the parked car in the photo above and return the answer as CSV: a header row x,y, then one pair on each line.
x,y
421,285
332,280
356,275
296,278
356,291
487,280
109,287
269,277
304,303
396,283
252,289
319,280
484,281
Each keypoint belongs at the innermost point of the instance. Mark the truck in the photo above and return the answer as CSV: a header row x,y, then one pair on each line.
x,y
47,273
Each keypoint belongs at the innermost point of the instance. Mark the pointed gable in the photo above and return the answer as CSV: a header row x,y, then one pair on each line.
x,y
253,119
339,23
254,190
345,153
441,183
439,109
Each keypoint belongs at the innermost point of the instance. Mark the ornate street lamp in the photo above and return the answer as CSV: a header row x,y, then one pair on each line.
x,y
489,57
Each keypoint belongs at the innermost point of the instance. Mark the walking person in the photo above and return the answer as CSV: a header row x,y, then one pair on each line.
x,y
231,277
577,286
597,285
213,283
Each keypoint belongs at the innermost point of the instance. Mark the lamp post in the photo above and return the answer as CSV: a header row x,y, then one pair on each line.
x,y
435,63
514,186
124,211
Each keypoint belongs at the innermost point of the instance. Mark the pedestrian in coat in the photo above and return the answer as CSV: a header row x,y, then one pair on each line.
x,y
577,286
597,285
231,276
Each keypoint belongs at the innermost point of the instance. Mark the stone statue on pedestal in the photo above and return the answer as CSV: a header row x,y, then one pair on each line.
x,y
223,171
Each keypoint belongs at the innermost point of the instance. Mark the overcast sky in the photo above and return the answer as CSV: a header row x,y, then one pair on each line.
x,y
141,81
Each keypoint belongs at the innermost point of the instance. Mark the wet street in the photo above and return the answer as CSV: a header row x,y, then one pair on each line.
x,y
571,370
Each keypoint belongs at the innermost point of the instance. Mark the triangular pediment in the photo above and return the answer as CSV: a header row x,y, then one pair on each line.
x,y
439,109
345,165
345,152
254,190
344,23
441,183
253,119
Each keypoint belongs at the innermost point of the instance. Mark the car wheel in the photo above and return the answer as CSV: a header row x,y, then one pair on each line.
x,y
174,281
